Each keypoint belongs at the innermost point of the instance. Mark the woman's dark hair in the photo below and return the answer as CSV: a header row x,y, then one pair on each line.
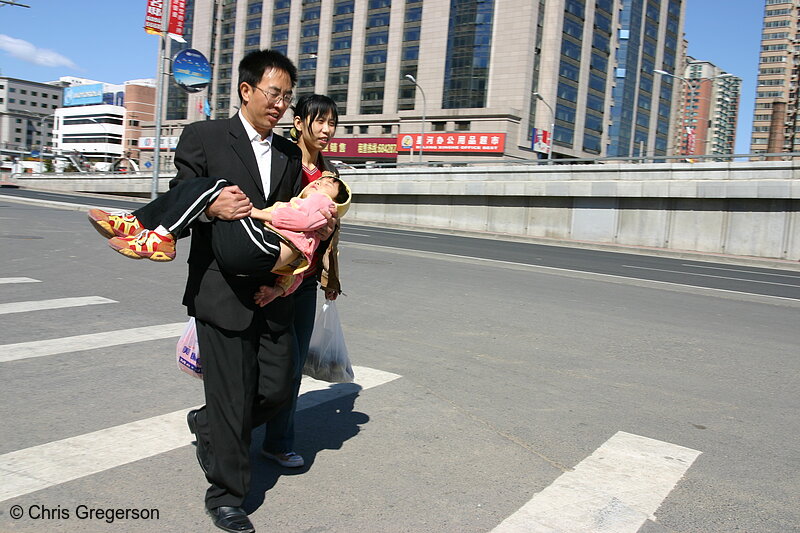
x,y
312,106
253,65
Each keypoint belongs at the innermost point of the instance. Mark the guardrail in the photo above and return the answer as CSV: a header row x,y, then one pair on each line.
x,y
747,208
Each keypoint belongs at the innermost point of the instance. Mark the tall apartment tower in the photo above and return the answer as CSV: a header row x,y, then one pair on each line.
x,y
490,78
775,120
708,110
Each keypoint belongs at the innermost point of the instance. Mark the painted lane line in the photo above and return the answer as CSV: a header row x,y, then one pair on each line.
x,y
556,270
27,350
711,276
616,489
56,303
18,280
46,465
397,232
796,276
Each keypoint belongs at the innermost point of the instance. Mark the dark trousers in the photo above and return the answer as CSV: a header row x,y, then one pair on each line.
x,y
177,208
247,377
279,431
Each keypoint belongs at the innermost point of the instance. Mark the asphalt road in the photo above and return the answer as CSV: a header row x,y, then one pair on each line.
x,y
516,362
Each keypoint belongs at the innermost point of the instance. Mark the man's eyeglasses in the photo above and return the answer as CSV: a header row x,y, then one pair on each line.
x,y
274,97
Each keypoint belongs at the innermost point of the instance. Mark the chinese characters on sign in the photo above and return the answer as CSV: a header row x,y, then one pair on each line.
x,y
154,17
177,17
363,147
149,143
493,143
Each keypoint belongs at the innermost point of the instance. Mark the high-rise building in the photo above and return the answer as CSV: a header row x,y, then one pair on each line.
x,y
484,79
707,114
775,120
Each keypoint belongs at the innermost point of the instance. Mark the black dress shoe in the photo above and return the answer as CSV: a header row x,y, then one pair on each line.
x,y
200,449
232,519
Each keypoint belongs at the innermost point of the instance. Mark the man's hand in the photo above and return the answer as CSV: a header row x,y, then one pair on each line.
x,y
326,231
231,204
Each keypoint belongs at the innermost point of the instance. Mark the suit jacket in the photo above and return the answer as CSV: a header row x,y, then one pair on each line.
x,y
221,148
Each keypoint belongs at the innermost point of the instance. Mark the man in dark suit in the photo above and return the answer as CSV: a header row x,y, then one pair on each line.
x,y
246,350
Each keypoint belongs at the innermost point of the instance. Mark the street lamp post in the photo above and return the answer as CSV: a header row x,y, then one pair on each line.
x,y
42,118
692,85
552,125
411,78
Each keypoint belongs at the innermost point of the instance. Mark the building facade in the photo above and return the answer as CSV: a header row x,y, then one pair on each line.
x,y
100,123
26,116
775,120
483,79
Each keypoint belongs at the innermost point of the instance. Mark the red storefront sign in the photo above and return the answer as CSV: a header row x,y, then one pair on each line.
x,y
492,143
362,147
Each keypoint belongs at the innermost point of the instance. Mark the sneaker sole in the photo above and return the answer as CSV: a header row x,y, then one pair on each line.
x,y
159,257
285,464
103,228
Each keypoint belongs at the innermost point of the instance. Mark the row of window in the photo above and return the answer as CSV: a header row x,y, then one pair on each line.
x,y
32,93
32,104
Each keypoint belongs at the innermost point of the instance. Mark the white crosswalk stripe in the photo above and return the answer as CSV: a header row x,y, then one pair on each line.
x,y
615,489
18,280
91,341
55,303
39,467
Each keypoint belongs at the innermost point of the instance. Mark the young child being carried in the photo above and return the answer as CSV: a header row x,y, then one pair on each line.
x,y
281,238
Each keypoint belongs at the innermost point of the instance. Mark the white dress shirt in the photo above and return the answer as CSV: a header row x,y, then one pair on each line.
x,y
262,148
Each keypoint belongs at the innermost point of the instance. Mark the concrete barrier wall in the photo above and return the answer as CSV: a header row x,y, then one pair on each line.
x,y
739,208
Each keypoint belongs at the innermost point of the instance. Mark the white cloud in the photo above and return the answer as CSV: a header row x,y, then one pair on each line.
x,y
32,54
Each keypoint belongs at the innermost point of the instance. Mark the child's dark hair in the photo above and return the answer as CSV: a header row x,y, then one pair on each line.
x,y
254,64
343,195
310,107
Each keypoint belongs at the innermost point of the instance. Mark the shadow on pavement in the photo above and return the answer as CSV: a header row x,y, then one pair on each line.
x,y
325,426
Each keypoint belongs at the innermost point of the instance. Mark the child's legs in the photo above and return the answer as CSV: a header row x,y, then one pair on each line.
x,y
181,205
244,247
287,256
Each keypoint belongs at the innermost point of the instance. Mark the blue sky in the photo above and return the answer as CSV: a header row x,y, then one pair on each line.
x,y
104,40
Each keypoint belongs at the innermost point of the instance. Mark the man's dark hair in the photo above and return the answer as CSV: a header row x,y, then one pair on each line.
x,y
254,64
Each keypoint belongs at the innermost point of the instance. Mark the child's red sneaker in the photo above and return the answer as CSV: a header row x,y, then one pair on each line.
x,y
147,245
110,226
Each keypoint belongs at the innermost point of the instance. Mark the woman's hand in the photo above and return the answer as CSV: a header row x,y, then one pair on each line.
x,y
327,230
331,294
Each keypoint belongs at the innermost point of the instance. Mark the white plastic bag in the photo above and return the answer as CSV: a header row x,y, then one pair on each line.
x,y
188,352
327,353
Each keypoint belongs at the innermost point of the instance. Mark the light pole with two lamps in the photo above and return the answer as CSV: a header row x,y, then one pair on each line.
x,y
411,78
552,124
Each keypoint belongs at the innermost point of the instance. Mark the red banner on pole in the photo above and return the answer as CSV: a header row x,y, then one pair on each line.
x,y
154,16
177,17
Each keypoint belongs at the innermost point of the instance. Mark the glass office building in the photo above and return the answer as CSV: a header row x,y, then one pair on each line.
x,y
498,74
